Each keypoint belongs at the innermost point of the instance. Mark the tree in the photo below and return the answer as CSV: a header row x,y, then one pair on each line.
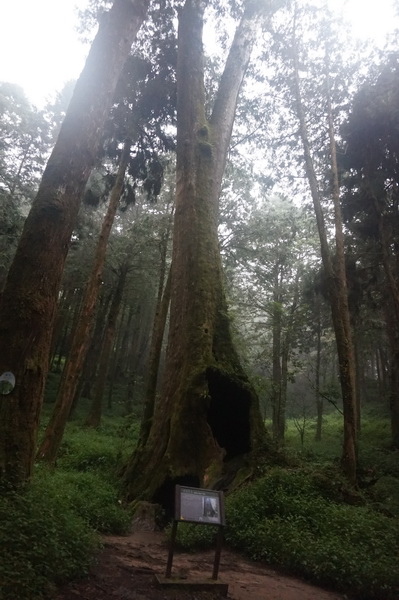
x,y
25,136
270,251
207,413
371,178
29,299
83,327
309,77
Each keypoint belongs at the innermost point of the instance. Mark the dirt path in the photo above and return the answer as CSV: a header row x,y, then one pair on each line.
x,y
126,570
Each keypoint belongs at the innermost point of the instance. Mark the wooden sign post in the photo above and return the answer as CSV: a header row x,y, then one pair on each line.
x,y
202,506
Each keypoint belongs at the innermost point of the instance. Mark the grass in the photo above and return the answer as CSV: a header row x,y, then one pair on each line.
x,y
298,520
308,521
304,519
50,528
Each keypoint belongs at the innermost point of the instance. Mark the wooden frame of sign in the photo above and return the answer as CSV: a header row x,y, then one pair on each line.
x,y
196,505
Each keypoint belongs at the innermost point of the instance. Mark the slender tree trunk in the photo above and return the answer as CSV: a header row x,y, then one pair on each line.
x,y
393,394
285,354
114,368
81,336
318,397
391,309
276,362
207,409
93,354
29,300
336,280
158,331
94,417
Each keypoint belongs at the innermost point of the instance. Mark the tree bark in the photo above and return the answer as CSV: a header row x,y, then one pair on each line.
x,y
158,332
30,296
207,415
94,417
82,331
276,360
318,396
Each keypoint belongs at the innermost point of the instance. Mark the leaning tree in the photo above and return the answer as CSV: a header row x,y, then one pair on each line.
x,y
30,296
206,423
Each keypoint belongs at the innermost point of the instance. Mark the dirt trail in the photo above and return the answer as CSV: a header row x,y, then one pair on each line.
x,y
127,566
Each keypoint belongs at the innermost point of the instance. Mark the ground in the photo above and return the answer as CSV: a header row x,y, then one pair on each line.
x,y
126,569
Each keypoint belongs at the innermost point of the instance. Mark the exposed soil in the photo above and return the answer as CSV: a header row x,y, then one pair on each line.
x,y
127,566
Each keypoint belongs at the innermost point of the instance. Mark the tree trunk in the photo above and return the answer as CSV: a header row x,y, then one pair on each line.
x,y
95,413
336,280
30,296
285,355
391,307
318,396
89,372
208,412
158,331
393,338
81,335
276,361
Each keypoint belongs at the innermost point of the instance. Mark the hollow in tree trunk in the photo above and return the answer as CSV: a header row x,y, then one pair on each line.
x,y
207,421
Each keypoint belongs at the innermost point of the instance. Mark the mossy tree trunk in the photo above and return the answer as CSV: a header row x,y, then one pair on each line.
x,y
207,413
30,296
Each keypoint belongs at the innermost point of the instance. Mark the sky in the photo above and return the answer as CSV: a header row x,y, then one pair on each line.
x,y
40,48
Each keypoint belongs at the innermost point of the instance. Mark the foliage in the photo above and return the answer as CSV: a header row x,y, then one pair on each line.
x,y
100,450
49,527
93,499
194,536
47,542
24,142
298,520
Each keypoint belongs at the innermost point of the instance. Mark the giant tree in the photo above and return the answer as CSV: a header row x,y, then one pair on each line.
x,y
207,416
29,299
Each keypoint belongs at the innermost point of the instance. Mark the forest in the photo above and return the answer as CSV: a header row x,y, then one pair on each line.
x,y
199,286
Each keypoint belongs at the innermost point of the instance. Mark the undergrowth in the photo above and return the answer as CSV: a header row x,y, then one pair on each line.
x,y
49,529
44,541
298,520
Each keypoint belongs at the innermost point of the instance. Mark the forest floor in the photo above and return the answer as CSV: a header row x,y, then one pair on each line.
x,y
127,565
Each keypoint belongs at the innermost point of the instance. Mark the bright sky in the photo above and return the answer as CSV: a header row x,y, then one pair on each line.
x,y
40,49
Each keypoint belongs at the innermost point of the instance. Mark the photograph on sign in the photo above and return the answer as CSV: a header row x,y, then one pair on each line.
x,y
199,506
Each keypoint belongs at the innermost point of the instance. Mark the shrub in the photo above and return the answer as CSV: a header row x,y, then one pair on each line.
x,y
284,519
103,449
193,536
91,497
43,541
298,520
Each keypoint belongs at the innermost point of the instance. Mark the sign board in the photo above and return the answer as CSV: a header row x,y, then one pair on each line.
x,y
7,383
198,505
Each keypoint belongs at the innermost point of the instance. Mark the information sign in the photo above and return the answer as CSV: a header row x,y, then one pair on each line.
x,y
199,505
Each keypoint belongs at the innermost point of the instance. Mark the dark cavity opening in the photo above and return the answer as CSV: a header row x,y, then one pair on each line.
x,y
165,496
228,414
